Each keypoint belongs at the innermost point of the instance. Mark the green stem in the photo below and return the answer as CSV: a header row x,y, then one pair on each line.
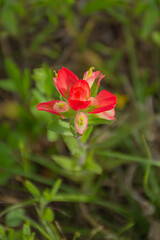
x,y
83,147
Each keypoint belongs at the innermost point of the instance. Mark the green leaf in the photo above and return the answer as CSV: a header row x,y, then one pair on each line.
x,y
94,89
52,136
26,230
7,85
95,120
61,127
49,194
11,234
55,188
86,134
14,74
36,226
7,162
72,145
96,5
148,167
73,198
38,96
91,165
76,235
13,218
149,20
2,232
156,37
66,163
48,215
128,158
44,81
17,206
32,189
125,228
10,21
118,14
48,81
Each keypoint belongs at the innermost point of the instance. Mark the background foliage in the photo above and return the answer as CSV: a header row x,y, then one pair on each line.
x,y
107,186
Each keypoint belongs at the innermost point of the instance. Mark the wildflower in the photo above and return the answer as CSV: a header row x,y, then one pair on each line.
x,y
80,98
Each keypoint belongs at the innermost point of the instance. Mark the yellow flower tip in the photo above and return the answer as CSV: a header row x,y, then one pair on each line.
x,y
80,121
90,72
55,73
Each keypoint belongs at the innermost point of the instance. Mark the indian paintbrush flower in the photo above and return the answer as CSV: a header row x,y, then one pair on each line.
x,y
80,98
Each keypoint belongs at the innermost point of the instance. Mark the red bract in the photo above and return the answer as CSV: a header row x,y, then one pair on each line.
x,y
78,100
91,76
50,107
103,101
79,95
81,122
65,80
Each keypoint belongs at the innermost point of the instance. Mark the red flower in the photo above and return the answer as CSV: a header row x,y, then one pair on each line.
x,y
78,98
91,76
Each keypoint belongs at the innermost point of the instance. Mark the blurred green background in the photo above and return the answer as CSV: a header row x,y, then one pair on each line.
x,y
115,194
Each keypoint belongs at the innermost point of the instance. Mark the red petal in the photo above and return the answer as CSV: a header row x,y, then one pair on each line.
x,y
85,75
48,107
104,101
94,76
65,80
100,78
55,82
80,91
78,105
109,115
61,106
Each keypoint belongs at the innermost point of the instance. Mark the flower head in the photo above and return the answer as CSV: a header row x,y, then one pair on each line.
x,y
79,101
